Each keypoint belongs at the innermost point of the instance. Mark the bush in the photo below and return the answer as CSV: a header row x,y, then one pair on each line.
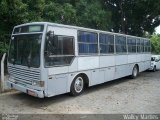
x,y
4,46
155,42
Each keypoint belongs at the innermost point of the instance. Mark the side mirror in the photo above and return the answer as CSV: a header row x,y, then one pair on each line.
x,y
12,38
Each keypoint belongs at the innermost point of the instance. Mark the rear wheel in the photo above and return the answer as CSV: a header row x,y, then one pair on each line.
x,y
134,72
77,86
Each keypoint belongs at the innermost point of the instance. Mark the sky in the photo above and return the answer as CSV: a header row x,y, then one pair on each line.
x,y
157,29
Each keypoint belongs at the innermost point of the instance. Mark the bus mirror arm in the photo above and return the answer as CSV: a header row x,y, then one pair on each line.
x,y
50,34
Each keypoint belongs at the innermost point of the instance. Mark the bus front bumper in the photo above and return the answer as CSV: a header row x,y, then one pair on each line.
x,y
32,92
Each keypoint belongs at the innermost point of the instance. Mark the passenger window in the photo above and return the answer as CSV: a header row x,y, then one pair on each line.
x,y
59,50
147,45
87,43
120,42
138,45
131,43
106,42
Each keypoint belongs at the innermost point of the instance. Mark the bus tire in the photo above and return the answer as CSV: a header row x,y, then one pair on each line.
x,y
134,72
154,69
77,86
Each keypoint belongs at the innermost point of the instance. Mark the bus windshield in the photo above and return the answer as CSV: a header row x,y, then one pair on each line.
x,y
25,50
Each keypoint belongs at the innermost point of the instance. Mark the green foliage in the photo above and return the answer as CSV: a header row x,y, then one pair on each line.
x,y
3,48
34,10
13,12
91,14
135,17
4,43
155,42
60,13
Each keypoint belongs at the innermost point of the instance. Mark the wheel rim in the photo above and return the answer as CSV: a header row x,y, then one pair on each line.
x,y
135,72
78,85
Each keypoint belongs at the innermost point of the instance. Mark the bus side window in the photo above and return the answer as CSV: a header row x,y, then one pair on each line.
x,y
60,49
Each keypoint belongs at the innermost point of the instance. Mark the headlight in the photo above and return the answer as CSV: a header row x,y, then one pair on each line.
x,y
38,83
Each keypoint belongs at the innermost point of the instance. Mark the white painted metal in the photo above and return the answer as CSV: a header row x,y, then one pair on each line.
x,y
84,63
2,72
98,68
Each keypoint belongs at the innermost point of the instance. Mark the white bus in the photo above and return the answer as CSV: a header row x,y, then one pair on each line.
x,y
48,59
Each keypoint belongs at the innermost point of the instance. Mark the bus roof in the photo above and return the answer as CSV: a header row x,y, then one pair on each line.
x,y
75,27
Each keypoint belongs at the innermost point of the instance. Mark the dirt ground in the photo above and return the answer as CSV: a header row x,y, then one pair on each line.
x,y
125,95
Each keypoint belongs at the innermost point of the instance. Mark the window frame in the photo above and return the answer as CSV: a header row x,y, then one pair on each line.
x,y
146,45
74,53
131,45
119,53
87,43
142,39
20,29
107,53
138,44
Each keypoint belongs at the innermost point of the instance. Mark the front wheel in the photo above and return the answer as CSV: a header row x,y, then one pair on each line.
x,y
77,86
134,72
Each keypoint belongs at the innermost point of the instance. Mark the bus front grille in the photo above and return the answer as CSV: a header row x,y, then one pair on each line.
x,y
22,75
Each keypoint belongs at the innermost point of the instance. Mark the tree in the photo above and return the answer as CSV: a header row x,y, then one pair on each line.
x,y
34,10
60,13
134,17
13,12
91,14
155,42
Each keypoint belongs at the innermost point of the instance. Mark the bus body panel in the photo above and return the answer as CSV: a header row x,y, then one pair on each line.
x,y
58,82
85,63
132,58
106,61
121,59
